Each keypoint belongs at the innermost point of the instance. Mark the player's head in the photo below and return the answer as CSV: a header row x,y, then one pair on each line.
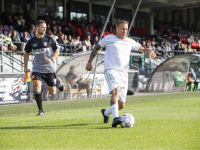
x,y
122,28
41,27
72,69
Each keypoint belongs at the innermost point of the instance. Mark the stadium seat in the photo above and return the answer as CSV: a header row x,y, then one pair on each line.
x,y
32,34
92,31
1,32
28,35
95,30
5,33
104,34
79,31
6,27
18,35
11,28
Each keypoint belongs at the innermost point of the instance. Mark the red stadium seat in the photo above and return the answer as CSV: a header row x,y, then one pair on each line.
x,y
79,31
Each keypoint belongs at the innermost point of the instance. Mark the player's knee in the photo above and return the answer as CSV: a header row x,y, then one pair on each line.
x,y
52,92
37,89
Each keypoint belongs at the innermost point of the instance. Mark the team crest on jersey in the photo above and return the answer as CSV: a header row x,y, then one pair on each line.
x,y
34,45
45,43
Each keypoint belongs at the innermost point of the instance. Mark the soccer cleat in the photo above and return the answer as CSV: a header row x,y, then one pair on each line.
x,y
40,113
116,121
106,118
61,85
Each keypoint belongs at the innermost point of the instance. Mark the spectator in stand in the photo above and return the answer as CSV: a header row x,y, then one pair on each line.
x,y
10,20
9,42
178,48
32,28
189,49
159,36
49,32
153,42
22,27
48,28
86,31
55,29
65,39
72,31
60,41
70,40
95,41
87,42
15,23
19,21
55,34
192,35
4,46
144,44
24,39
114,31
100,29
15,38
77,44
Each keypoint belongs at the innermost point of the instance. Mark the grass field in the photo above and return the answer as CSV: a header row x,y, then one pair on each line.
x,y
167,121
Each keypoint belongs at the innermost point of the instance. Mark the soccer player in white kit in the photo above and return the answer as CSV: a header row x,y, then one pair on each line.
x,y
116,63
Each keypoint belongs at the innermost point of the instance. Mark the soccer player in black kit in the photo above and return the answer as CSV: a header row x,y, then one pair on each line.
x,y
45,50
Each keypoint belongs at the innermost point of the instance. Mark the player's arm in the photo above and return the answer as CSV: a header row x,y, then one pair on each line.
x,y
92,55
26,58
28,49
147,51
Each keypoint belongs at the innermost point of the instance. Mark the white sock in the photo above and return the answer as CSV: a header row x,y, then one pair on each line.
x,y
113,109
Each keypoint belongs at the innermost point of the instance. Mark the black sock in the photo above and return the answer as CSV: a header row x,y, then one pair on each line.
x,y
38,98
57,83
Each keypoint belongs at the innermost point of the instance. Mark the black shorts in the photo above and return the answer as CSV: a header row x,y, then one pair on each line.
x,y
49,78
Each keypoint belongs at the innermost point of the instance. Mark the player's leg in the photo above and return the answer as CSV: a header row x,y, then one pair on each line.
x,y
53,82
121,105
113,107
38,96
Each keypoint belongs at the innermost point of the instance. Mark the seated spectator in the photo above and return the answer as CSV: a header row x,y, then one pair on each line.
x,y
86,31
19,20
15,23
72,78
65,39
32,28
10,21
144,44
25,38
22,27
95,41
87,42
48,28
70,40
49,32
2,45
55,34
60,41
153,42
15,38
77,44
9,42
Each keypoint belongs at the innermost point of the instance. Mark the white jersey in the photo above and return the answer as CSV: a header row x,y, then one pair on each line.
x,y
117,54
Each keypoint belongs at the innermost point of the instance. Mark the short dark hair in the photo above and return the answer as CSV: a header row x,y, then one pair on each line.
x,y
72,67
39,22
121,21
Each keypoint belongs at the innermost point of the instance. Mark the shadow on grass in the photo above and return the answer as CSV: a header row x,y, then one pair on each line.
x,y
71,126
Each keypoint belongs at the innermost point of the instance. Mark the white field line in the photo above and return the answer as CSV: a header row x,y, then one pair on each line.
x,y
32,122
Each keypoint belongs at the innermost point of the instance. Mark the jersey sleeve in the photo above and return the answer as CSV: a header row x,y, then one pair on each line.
x,y
104,41
28,47
54,44
135,46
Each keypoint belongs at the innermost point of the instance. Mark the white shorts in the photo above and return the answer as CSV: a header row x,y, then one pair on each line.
x,y
116,79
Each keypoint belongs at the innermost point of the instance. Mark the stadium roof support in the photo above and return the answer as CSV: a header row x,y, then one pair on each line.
x,y
104,27
134,17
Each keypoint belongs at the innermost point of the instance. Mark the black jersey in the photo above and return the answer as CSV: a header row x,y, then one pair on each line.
x,y
42,48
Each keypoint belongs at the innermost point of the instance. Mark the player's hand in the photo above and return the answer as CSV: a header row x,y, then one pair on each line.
x,y
26,70
47,60
89,66
81,77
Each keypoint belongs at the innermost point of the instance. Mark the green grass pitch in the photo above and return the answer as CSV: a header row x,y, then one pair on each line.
x,y
166,121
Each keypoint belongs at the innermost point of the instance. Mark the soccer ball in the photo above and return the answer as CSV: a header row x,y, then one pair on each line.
x,y
127,120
